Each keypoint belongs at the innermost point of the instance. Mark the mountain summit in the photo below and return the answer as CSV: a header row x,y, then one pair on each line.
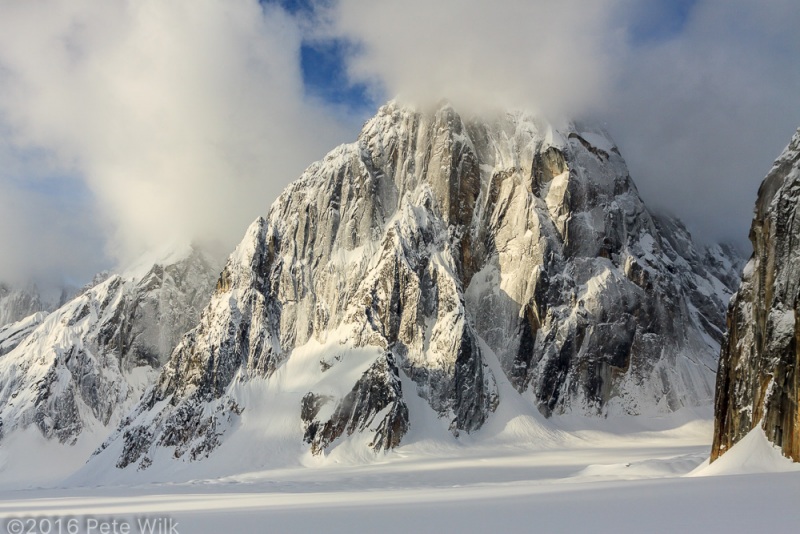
x,y
438,267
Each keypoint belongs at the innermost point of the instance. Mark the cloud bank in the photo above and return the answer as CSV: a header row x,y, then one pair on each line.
x,y
126,125
701,95
702,115
181,120
48,229
556,57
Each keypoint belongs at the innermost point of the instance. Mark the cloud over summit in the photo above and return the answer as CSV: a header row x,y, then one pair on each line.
x,y
552,56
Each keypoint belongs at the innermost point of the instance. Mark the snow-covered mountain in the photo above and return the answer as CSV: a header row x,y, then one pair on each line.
x,y
81,367
432,270
13,334
758,375
17,303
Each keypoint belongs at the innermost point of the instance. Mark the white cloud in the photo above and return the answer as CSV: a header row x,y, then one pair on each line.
x,y
185,118
555,56
701,116
699,113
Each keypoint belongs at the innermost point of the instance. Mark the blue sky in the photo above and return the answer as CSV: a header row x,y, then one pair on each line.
x,y
323,62
659,20
325,76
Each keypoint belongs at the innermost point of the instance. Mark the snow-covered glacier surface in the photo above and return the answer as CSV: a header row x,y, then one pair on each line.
x,y
568,474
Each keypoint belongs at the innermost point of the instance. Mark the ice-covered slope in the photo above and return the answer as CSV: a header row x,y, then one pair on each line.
x,y
759,376
82,366
438,256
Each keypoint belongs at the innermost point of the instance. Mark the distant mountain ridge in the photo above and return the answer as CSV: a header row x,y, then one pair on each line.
x,y
17,303
82,366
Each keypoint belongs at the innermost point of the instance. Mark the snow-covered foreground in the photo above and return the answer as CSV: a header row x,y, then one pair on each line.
x,y
592,480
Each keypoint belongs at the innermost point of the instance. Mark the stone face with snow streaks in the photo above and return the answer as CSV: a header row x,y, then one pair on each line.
x,y
758,375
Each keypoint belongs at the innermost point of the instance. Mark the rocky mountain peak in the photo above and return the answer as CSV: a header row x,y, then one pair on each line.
x,y
439,257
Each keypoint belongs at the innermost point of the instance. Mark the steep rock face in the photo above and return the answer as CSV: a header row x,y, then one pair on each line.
x,y
430,235
84,364
758,374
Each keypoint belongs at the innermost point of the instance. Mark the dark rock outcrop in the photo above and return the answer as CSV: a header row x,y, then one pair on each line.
x,y
758,374
377,390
